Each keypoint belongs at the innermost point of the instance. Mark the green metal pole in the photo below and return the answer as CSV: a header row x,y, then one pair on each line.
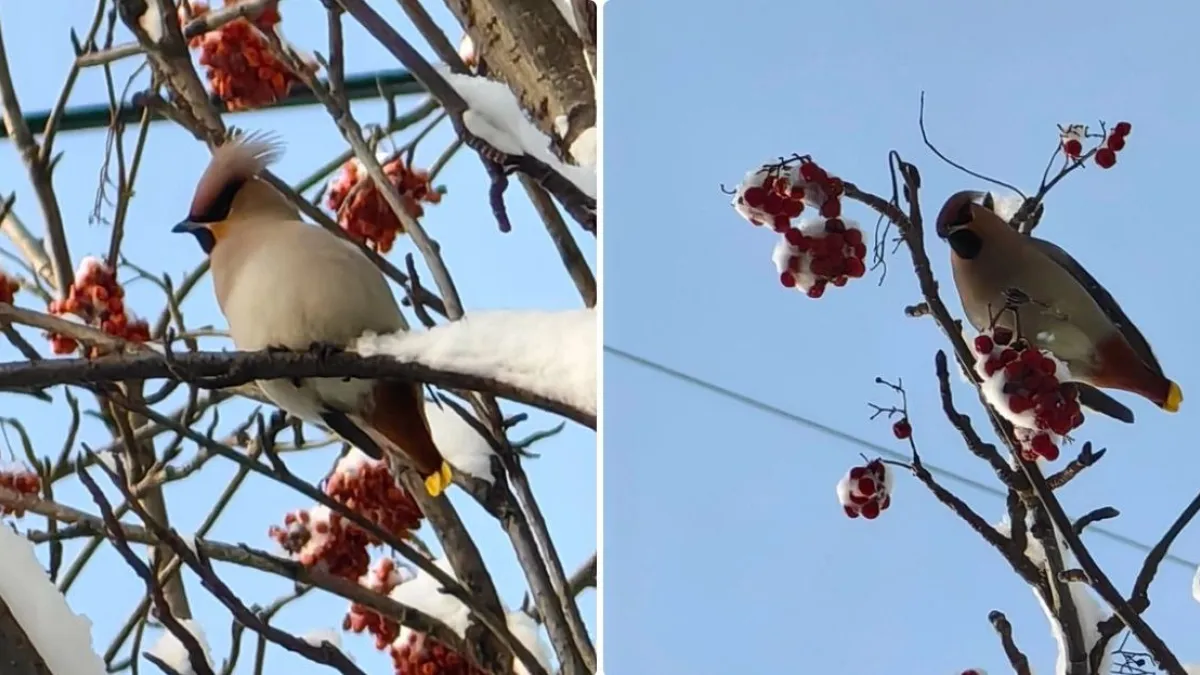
x,y
98,116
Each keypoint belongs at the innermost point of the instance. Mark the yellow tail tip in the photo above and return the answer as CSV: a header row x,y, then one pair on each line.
x,y
1174,398
436,484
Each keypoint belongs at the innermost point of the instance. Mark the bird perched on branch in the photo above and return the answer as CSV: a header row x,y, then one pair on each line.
x,y
283,284
1037,290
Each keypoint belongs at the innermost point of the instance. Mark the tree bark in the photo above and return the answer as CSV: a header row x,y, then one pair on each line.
x,y
18,656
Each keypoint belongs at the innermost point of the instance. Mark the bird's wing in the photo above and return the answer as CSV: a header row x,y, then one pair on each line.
x,y
1108,304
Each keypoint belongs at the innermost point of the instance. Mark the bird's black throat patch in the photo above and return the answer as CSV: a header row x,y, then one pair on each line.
x,y
965,243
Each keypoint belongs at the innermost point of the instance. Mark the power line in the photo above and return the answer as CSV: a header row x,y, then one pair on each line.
x,y
827,430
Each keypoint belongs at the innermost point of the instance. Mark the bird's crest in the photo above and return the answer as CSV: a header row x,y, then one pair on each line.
x,y
233,163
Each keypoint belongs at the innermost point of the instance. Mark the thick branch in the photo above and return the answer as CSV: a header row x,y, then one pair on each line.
x,y
18,655
216,370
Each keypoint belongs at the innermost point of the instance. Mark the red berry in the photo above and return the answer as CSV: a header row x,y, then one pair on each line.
x,y
782,223
1043,446
787,279
1019,404
855,267
840,281
991,366
817,289
854,237
1072,147
832,208
782,185
769,183
1115,143
885,502
834,242
1002,336
1105,158
794,264
793,236
835,225
851,511
984,344
858,472
858,499
1031,358
1122,129
1048,366
772,203
1013,371
902,429
835,186
810,172
860,250
1008,356
866,487
870,510
754,197
792,208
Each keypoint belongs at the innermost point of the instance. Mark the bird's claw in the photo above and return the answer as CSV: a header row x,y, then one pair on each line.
x,y
324,350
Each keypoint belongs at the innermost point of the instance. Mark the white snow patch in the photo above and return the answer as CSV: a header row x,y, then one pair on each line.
x,y
424,593
1091,612
1196,586
353,461
496,117
62,637
583,150
552,354
318,636
1006,205
1191,668
461,446
568,12
170,650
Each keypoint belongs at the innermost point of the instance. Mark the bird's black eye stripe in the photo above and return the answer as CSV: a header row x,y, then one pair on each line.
x,y
963,216
218,209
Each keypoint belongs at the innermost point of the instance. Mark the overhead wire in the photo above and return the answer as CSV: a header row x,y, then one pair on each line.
x,y
833,432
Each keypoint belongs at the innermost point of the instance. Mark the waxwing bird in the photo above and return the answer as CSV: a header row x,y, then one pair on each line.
x,y
284,284
1053,302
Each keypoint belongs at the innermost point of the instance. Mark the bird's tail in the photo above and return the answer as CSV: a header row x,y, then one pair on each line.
x,y
1094,399
398,414
1126,371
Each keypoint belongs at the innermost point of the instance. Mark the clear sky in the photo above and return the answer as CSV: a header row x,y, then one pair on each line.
x,y
726,550
493,271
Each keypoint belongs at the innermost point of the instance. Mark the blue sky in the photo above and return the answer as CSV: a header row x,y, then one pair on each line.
x,y
493,271
726,551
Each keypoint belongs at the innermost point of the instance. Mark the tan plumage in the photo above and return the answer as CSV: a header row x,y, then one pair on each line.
x,y
282,283
1065,310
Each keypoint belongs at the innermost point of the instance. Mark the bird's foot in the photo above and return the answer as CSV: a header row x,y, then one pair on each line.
x,y
324,350
437,483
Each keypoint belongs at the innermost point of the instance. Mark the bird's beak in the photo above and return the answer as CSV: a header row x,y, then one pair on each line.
x,y
186,226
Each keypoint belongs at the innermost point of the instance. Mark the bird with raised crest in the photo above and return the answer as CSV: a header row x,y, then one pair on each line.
x,y
284,284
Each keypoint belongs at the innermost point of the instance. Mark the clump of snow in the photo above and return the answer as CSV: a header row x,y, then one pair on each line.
x,y
866,490
319,636
171,651
552,354
583,149
460,444
495,116
568,12
1006,205
425,594
1024,385
62,637
354,461
1196,586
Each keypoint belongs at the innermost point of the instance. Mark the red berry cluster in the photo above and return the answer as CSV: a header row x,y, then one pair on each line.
x,y
822,253
779,193
1031,395
866,490
20,480
1114,142
8,288
99,300
367,216
418,654
381,579
239,64
320,536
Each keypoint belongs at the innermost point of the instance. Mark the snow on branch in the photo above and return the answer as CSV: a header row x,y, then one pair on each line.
x,y
542,359
170,651
549,355
496,117
61,637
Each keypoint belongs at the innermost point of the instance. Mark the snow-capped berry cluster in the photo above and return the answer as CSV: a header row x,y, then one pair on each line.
x,y
320,536
1024,385
98,300
1114,142
866,490
382,578
778,193
417,654
8,288
367,216
23,481
239,65
819,253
